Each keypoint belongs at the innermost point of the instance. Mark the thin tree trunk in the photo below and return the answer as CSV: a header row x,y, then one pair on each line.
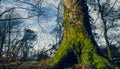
x,y
109,54
1,46
9,38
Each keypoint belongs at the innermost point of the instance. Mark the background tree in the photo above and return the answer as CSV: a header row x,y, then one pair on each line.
x,y
27,42
12,40
107,18
8,27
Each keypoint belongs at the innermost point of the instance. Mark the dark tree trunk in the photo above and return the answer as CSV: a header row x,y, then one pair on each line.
x,y
1,46
78,45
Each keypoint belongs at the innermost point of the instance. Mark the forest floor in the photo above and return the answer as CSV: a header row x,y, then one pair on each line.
x,y
26,65
30,65
20,65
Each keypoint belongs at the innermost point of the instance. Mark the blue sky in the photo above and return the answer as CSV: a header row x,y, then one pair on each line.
x,y
44,36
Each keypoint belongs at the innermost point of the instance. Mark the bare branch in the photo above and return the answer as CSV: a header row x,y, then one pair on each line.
x,y
7,11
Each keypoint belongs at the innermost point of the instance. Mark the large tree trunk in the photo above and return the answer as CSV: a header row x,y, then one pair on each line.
x,y
78,45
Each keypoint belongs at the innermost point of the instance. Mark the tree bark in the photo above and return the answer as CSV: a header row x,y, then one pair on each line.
x,y
2,44
78,44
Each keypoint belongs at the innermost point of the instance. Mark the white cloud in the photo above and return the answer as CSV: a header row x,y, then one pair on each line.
x,y
44,41
35,28
52,2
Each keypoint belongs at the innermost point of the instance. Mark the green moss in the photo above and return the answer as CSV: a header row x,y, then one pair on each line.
x,y
64,47
102,63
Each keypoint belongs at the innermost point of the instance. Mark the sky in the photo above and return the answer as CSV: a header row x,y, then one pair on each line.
x,y
46,25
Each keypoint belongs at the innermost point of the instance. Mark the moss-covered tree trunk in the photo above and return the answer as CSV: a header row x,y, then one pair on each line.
x,y
78,45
